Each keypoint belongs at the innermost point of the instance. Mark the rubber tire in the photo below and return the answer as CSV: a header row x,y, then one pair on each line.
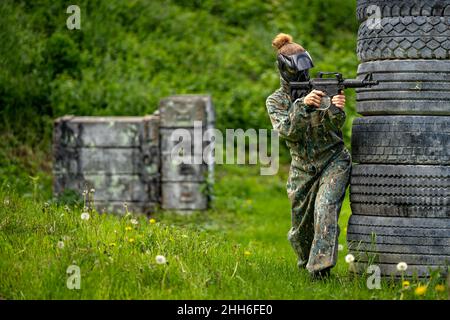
x,y
397,8
420,242
400,191
408,87
401,140
405,38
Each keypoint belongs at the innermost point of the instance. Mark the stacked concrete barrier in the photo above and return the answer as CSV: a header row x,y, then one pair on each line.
x,y
185,186
118,157
128,159
400,185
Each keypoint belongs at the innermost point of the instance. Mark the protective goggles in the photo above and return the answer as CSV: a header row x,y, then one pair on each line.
x,y
295,67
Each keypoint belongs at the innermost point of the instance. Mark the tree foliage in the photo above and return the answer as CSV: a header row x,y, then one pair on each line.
x,y
130,54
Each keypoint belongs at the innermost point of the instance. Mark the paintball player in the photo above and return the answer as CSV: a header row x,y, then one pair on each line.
x,y
320,166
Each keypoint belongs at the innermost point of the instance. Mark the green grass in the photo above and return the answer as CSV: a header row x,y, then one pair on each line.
x,y
236,250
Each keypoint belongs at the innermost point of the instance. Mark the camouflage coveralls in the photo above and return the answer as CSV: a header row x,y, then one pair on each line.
x,y
318,176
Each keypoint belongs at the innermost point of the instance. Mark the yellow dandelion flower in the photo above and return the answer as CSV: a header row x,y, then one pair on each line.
x,y
420,290
131,240
405,284
247,253
128,228
152,221
439,288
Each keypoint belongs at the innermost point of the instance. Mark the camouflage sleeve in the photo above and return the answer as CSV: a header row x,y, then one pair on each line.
x,y
289,119
336,116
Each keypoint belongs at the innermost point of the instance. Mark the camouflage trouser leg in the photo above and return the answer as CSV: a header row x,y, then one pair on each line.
x,y
302,189
331,193
316,204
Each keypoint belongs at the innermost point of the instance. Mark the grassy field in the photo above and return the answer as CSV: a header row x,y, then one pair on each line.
x,y
236,250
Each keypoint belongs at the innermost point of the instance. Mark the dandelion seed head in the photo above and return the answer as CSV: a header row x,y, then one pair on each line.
x,y
60,244
92,190
85,216
402,266
160,259
349,258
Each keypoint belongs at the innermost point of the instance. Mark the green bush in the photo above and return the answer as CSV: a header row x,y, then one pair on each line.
x,y
129,55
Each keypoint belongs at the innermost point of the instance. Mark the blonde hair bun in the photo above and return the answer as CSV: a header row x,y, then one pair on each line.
x,y
280,40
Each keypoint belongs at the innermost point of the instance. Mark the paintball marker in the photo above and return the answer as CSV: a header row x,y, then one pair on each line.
x,y
330,86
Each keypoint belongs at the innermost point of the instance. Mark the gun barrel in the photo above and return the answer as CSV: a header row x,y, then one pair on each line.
x,y
354,83
300,85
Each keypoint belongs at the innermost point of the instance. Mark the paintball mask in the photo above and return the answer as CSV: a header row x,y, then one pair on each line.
x,y
294,68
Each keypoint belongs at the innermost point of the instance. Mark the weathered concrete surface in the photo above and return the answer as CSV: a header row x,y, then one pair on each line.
x,y
173,172
182,110
115,132
106,161
117,156
126,159
185,186
196,138
184,196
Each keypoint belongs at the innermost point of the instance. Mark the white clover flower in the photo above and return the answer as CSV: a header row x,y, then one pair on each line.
x,y
402,266
60,244
92,190
160,259
340,247
6,202
349,258
85,216
134,221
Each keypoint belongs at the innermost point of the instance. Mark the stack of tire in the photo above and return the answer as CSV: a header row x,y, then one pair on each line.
x,y
400,182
